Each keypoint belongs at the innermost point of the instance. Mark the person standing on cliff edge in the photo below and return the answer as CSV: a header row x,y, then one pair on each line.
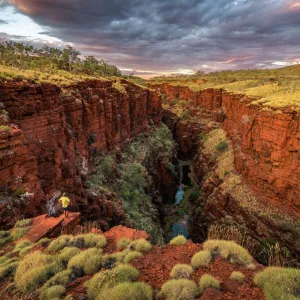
x,y
65,202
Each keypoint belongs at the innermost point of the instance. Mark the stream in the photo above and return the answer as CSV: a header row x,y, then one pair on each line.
x,y
180,227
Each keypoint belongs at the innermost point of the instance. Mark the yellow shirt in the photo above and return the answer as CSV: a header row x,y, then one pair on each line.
x,y
65,201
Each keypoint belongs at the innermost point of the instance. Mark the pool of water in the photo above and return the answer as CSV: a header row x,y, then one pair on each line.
x,y
180,227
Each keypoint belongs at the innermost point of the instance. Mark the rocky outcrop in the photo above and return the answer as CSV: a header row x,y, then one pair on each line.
x,y
55,132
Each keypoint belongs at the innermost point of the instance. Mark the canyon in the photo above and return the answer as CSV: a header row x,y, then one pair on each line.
x,y
55,133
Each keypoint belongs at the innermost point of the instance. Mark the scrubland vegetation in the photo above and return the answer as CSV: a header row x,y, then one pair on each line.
x,y
61,66
48,267
276,88
130,179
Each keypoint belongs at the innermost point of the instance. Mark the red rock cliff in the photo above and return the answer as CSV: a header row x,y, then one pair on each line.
x,y
53,134
267,144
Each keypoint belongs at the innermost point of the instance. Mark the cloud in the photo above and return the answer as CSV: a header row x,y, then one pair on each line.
x,y
166,36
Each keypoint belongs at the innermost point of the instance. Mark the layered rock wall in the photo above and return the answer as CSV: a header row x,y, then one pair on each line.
x,y
53,134
266,143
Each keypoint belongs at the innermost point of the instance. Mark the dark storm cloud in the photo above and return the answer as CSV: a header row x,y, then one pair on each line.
x,y
174,34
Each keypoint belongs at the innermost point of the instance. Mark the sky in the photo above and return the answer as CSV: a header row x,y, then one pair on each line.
x,y
161,37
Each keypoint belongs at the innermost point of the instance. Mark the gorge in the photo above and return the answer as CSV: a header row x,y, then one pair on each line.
x,y
244,160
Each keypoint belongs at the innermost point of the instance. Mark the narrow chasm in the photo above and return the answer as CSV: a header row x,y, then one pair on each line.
x,y
144,176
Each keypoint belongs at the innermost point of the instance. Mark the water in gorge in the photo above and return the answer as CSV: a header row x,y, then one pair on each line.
x,y
180,226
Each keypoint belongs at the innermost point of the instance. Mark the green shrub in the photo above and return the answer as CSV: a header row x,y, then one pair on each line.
x,y
181,271
201,259
279,283
123,243
4,127
61,278
179,289
179,240
239,276
44,242
4,233
229,250
4,237
25,250
128,290
53,292
33,270
66,254
194,195
23,223
60,243
132,255
8,268
208,281
22,244
89,240
87,261
185,115
141,245
222,146
110,278
19,232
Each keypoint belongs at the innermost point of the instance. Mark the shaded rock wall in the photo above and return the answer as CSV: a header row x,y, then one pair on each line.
x,y
54,133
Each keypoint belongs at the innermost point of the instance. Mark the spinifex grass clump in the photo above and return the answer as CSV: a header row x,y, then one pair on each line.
x,y
4,237
8,266
181,271
123,243
182,289
23,223
60,243
33,270
18,232
60,279
201,259
89,240
229,250
179,240
128,290
109,278
132,255
208,281
86,262
238,276
140,245
279,283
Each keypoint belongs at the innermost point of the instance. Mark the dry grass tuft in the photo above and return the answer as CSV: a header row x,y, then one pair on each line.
x,y
181,271
60,243
279,283
239,276
109,278
132,255
201,259
86,262
181,289
128,290
123,243
140,245
229,250
208,281
179,240
32,271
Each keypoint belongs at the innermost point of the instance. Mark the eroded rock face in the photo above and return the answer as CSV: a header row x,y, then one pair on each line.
x,y
54,133
266,155
267,144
